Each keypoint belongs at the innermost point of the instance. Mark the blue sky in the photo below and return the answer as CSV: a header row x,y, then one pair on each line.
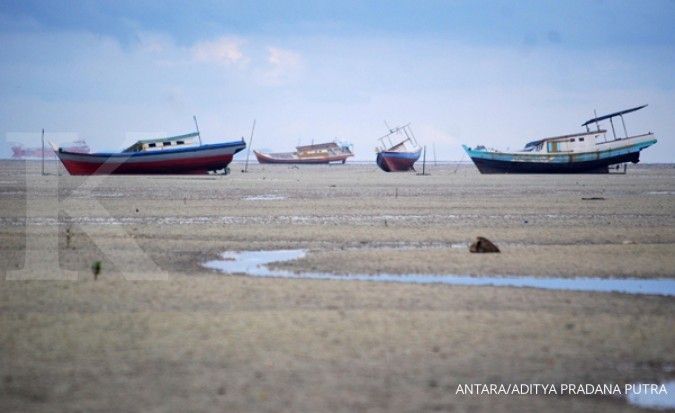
x,y
479,72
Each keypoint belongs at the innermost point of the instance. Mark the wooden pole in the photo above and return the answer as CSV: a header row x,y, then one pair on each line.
x,y
250,143
424,160
199,135
43,151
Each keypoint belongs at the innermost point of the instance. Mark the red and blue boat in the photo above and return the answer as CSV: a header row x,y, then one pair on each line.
x,y
398,150
171,155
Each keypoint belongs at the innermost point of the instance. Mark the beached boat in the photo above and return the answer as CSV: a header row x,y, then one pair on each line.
x,y
171,155
591,151
309,154
398,150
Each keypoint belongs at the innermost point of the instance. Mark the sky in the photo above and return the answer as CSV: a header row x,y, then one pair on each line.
x,y
498,73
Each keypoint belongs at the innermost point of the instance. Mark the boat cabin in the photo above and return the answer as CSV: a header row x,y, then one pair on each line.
x,y
322,149
577,142
171,142
588,141
399,139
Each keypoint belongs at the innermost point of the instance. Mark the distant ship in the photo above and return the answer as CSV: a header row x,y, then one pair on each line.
x,y
170,155
20,152
309,154
398,151
587,152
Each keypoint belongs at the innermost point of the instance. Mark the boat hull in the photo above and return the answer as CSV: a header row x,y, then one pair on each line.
x,y
391,161
197,160
589,162
271,159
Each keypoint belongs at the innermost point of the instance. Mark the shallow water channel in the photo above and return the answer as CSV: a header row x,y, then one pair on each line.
x,y
255,263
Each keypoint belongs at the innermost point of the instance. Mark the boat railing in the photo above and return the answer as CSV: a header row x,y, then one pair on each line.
x,y
406,134
625,138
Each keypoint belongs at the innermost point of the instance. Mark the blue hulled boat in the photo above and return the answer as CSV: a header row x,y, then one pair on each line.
x,y
398,150
591,151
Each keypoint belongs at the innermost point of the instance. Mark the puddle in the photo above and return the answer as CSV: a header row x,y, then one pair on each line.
x,y
254,263
264,198
647,396
660,193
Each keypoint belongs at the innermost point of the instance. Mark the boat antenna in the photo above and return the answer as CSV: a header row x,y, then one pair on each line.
x,y
250,143
197,126
43,151
597,125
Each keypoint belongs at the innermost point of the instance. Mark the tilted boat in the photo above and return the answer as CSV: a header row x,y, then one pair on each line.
x,y
310,154
591,151
398,150
171,155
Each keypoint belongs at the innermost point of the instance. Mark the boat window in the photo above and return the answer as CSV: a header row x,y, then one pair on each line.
x,y
167,143
581,139
572,140
151,145
180,143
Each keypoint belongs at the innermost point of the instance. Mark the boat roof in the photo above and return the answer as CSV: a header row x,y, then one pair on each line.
x,y
169,138
611,115
137,146
317,146
573,135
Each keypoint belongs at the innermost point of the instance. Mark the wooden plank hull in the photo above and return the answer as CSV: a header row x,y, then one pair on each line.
x,y
193,160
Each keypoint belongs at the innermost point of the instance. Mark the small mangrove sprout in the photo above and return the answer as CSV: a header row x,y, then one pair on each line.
x,y
96,269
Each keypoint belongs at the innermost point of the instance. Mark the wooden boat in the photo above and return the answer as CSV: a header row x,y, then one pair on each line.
x,y
398,150
170,155
591,151
309,154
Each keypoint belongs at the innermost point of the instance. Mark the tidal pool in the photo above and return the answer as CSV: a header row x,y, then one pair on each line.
x,y
255,263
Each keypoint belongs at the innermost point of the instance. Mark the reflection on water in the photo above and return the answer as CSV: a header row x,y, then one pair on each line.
x,y
645,396
254,263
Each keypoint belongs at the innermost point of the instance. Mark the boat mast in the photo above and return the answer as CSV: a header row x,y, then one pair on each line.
x,y
197,126
250,143
43,151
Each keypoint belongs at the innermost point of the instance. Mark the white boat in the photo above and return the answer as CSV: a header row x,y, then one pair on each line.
x,y
592,151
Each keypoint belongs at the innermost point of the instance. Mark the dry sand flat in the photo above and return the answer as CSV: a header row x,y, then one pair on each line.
x,y
203,341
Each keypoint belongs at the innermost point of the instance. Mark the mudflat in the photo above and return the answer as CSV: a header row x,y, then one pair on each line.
x,y
158,331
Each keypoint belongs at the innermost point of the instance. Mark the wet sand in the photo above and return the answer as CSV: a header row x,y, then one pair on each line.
x,y
205,341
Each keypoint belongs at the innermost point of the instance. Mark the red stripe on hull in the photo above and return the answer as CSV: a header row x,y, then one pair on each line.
x,y
393,164
399,165
174,166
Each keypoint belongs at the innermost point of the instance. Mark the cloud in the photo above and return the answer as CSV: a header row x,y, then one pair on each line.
x,y
318,88
151,42
283,65
223,50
